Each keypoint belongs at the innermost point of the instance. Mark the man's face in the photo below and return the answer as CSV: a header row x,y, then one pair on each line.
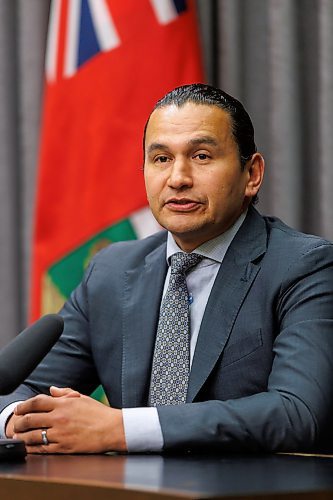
x,y
195,185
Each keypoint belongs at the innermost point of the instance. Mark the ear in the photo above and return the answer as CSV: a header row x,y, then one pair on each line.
x,y
255,168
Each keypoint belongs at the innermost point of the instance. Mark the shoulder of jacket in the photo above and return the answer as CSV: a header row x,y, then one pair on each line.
x,y
131,248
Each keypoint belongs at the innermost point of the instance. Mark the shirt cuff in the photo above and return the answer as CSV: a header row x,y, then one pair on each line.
x,y
142,429
4,416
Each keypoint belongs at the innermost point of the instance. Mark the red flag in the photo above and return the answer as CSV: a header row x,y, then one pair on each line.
x,y
108,61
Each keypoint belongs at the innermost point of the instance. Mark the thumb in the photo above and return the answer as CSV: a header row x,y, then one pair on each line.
x,y
63,392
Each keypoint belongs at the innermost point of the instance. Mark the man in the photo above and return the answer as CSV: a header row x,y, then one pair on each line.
x,y
258,372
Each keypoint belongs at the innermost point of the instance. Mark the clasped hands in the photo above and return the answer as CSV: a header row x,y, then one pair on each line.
x,y
74,423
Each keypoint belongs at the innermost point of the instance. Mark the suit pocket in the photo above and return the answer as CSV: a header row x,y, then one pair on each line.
x,y
236,350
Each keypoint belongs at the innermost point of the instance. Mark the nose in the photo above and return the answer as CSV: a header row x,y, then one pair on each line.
x,y
180,174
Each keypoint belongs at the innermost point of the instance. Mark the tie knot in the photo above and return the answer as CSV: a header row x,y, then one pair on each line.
x,y
181,262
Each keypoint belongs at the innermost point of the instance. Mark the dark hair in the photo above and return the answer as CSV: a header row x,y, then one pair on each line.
x,y
200,93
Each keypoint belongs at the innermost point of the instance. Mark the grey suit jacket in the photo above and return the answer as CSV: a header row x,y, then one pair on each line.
x,y
262,373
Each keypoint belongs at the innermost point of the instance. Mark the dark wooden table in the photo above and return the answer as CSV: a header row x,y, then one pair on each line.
x,y
100,477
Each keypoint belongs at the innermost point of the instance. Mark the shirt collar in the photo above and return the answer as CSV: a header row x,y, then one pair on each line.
x,y
214,249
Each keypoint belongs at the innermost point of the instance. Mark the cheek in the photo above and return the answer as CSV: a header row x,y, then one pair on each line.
x,y
222,194
148,181
153,187
227,186
215,191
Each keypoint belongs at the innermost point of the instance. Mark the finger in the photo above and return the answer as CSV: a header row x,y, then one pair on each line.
x,y
58,392
41,449
52,448
9,427
34,437
40,403
31,421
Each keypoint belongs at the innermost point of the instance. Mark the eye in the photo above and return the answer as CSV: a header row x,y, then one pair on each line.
x,y
202,156
161,159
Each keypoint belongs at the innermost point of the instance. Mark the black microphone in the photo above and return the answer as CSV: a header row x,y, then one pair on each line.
x,y
21,356
17,360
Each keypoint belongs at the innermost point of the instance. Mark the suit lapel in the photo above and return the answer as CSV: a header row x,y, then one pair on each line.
x,y
142,296
237,272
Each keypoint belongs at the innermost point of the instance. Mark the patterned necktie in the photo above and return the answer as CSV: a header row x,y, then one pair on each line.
x,y
171,362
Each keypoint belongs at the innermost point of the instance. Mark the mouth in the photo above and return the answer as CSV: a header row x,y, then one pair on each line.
x,y
182,204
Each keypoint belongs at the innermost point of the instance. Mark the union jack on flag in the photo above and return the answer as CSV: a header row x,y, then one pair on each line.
x,y
90,29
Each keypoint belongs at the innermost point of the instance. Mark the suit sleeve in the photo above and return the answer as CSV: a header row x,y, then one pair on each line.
x,y
295,411
69,363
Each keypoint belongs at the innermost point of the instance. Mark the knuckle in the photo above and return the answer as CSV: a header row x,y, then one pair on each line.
x,y
34,403
22,423
30,439
26,421
61,420
37,400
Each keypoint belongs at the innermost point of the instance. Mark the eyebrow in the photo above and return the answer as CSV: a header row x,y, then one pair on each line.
x,y
156,145
193,142
203,140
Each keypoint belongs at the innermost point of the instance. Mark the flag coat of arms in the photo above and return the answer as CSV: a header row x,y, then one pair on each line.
x,y
107,63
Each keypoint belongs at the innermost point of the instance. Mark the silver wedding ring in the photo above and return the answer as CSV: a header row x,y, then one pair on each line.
x,y
44,437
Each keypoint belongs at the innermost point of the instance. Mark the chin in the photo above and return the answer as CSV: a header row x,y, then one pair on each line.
x,y
187,234
181,224
181,229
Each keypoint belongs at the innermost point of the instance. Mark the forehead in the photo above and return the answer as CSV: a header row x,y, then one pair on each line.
x,y
192,120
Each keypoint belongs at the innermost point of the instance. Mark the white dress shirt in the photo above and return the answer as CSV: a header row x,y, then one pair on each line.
x,y
142,427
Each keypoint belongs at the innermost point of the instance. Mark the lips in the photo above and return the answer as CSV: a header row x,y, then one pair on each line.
x,y
182,204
